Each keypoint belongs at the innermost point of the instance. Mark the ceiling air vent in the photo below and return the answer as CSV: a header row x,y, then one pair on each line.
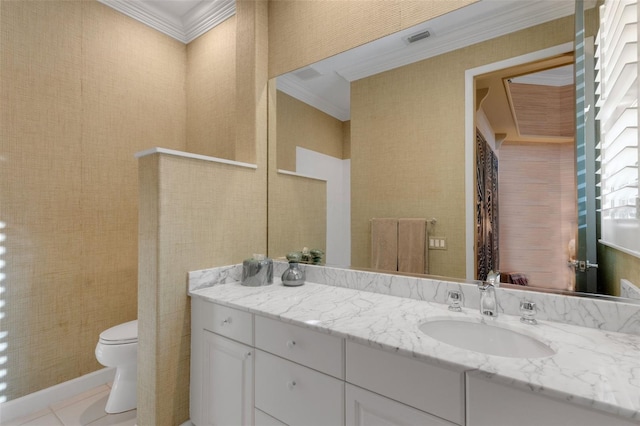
x,y
307,73
418,36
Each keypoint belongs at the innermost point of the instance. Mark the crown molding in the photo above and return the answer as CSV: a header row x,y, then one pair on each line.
x,y
472,30
193,24
207,15
288,85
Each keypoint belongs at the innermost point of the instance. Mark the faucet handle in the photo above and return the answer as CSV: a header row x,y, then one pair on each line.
x,y
528,311
493,278
484,286
454,298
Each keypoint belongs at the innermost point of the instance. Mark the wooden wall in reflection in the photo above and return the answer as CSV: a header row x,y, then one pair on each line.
x,y
537,212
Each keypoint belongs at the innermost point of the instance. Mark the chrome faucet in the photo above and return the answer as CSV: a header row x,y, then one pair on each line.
x,y
488,299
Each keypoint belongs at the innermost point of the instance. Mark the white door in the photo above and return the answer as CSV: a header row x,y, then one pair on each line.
x,y
227,386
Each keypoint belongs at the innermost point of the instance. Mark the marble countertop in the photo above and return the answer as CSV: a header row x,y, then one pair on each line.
x,y
593,368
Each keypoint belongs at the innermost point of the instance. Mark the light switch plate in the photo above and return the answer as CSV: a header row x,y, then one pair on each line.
x,y
437,243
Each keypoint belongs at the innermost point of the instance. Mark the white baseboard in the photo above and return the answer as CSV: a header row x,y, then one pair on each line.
x,y
39,400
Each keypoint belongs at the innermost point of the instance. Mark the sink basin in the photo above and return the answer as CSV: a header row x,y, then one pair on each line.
x,y
486,338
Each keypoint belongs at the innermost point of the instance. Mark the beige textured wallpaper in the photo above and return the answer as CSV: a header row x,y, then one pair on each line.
x,y
190,220
303,32
299,124
211,94
252,50
184,231
617,265
297,205
83,88
407,142
297,214
346,140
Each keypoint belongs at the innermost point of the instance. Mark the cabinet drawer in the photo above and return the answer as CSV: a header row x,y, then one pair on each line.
x,y
319,351
297,395
424,386
228,322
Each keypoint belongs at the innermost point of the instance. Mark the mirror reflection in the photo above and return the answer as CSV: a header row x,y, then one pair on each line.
x,y
384,126
525,119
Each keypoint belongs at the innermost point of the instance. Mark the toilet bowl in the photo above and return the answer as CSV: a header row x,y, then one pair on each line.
x,y
118,347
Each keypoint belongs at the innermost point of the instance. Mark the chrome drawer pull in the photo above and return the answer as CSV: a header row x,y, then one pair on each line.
x,y
291,344
291,384
226,321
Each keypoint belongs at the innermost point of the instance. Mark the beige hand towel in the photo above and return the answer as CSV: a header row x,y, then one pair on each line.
x,y
384,244
411,246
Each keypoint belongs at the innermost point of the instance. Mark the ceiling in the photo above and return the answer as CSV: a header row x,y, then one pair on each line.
x,y
560,76
533,102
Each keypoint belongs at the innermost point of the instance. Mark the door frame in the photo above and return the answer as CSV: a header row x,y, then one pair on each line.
x,y
470,136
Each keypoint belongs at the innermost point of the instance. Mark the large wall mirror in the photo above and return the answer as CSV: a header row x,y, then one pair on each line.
x,y
381,132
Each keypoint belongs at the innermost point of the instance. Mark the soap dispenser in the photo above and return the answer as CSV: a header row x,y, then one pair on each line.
x,y
293,276
257,271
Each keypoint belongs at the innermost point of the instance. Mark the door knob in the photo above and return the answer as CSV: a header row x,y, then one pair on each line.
x,y
581,265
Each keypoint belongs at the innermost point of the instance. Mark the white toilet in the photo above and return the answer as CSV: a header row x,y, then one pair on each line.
x,y
118,347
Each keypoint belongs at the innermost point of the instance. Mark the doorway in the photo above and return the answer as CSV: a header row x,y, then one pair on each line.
x,y
530,108
541,58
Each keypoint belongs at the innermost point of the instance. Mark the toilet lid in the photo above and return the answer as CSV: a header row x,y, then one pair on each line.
x,y
120,334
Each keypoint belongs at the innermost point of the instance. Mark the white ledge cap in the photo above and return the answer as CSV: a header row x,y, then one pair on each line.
x,y
158,150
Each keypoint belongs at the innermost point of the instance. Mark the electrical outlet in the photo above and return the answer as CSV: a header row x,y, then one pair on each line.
x,y
437,243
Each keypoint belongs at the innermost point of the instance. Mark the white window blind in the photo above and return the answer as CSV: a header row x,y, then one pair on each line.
x,y
617,91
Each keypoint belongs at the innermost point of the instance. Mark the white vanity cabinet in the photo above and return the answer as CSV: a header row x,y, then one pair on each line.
x,y
222,367
492,404
251,370
436,393
291,375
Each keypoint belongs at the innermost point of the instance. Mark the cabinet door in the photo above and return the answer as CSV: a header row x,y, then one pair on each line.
x,y
227,382
493,404
366,408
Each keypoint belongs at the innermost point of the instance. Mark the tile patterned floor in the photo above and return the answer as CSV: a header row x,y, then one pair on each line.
x,y
86,409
